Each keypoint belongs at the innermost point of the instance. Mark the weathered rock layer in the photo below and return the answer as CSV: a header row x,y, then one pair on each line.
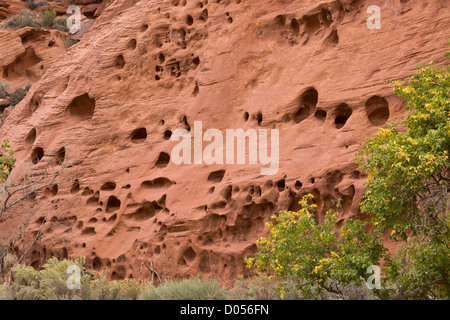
x,y
311,69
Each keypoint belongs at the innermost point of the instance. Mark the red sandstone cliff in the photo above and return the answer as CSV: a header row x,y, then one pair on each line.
x,y
311,69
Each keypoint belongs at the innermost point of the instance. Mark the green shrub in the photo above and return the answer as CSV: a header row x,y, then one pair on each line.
x,y
19,94
50,283
6,292
31,4
23,19
48,18
60,24
130,289
4,88
70,42
189,289
255,288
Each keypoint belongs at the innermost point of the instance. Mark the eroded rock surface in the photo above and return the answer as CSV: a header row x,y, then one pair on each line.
x,y
311,69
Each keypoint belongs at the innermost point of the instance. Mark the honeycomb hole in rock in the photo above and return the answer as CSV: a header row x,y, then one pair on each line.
x,y
216,176
36,155
108,186
167,134
96,264
120,62
21,65
281,184
196,61
196,90
75,187
163,160
31,137
320,115
230,20
204,15
259,118
377,110
161,58
144,27
326,16
280,21
333,38
87,192
139,135
51,191
188,256
306,105
189,20
157,183
298,185
295,27
132,44
82,107
312,24
113,204
88,231
355,174
246,116
342,113
60,155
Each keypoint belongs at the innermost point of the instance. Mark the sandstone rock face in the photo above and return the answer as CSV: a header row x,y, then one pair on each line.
x,y
28,53
311,69
10,7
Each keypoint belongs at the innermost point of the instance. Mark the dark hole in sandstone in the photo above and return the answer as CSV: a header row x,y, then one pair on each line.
x,y
377,110
298,185
163,160
342,113
82,106
120,62
75,187
132,44
144,27
333,38
204,15
113,204
161,58
327,17
167,134
60,155
196,61
157,183
189,254
108,186
320,115
312,24
307,105
37,154
139,135
295,27
216,176
281,184
189,20
31,137
280,21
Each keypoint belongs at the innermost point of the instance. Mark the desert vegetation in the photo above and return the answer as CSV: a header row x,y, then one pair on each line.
x,y
28,18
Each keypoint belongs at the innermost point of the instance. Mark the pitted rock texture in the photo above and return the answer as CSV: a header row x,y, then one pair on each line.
x,y
311,69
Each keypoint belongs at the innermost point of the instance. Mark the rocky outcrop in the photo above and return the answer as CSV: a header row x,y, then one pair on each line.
x,y
311,69
10,7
